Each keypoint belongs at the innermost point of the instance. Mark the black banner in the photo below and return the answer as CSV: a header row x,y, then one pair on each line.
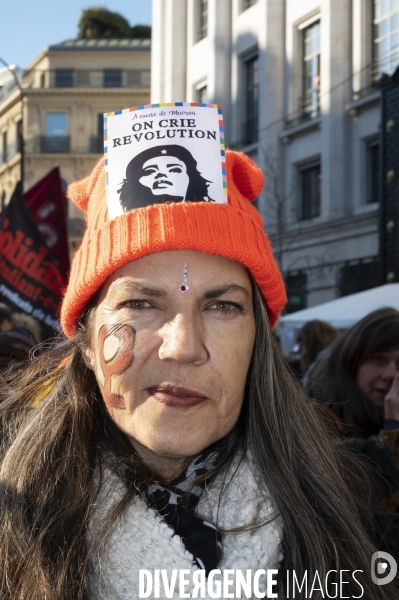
x,y
29,280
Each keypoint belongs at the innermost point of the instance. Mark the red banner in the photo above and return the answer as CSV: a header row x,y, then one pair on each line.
x,y
29,279
46,203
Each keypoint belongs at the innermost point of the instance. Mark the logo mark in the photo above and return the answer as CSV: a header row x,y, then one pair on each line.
x,y
379,570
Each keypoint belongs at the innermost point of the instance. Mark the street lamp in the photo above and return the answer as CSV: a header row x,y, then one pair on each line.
x,y
21,136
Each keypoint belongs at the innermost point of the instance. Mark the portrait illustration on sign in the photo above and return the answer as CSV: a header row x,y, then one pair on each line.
x,y
166,173
159,154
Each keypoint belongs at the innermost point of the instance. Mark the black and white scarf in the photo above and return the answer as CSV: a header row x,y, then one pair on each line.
x,y
202,539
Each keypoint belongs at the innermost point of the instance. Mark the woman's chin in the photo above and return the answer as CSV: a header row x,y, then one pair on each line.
x,y
173,448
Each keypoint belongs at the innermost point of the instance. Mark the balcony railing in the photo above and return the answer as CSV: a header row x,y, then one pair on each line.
x,y
54,144
372,74
308,108
12,150
250,131
97,144
62,145
87,78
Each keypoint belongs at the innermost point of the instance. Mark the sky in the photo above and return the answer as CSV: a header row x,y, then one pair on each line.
x,y
27,27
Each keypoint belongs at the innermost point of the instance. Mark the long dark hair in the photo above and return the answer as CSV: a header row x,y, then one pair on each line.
x,y
57,438
334,380
133,194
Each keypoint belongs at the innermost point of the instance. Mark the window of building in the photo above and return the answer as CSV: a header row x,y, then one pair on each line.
x,y
251,74
64,78
56,124
247,4
97,141
202,8
56,133
100,125
202,94
386,36
83,78
112,78
296,284
310,191
358,276
311,69
372,171
19,135
5,147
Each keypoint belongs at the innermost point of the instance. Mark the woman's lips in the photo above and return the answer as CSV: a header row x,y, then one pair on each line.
x,y
379,396
161,182
177,397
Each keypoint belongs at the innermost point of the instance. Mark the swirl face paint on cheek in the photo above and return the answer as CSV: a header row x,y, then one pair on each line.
x,y
116,343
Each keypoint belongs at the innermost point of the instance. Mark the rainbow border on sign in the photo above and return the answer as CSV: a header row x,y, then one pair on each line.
x,y
169,104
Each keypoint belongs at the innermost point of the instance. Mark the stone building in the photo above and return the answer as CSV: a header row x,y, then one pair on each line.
x,y
63,95
298,83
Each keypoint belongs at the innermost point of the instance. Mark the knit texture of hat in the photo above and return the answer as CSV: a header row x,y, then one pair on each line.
x,y
233,230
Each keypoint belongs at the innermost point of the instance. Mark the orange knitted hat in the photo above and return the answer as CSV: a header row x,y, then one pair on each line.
x,y
233,230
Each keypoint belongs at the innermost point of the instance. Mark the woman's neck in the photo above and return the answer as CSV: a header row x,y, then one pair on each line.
x,y
164,466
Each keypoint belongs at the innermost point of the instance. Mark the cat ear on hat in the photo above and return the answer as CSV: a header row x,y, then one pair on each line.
x,y
80,191
245,175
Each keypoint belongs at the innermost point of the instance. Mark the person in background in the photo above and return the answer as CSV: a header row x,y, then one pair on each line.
x,y
19,333
6,321
357,381
312,338
29,323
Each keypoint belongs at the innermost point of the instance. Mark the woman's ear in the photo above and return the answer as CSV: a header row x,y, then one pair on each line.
x,y
88,358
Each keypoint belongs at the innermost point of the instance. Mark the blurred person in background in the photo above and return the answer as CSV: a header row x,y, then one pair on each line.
x,y
19,333
30,324
358,379
6,321
312,338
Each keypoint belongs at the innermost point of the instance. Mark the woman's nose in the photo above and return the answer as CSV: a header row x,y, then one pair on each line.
x,y
183,341
159,175
390,370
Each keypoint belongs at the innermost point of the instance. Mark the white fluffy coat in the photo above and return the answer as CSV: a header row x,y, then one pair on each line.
x,y
142,540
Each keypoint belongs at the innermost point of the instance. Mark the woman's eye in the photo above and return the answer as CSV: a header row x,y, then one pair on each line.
x,y
138,304
226,306
149,172
175,170
378,359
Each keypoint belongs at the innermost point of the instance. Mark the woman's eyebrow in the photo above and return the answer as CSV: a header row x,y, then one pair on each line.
x,y
220,291
173,165
137,288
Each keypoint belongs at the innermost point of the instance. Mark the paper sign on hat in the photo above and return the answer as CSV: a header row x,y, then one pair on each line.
x,y
160,153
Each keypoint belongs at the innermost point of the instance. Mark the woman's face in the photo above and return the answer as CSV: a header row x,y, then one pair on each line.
x,y
375,375
172,366
165,175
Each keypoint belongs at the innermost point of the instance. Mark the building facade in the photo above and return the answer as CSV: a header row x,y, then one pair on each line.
x,y
59,110
299,85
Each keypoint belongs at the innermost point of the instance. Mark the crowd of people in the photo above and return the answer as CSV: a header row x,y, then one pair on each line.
x,y
167,430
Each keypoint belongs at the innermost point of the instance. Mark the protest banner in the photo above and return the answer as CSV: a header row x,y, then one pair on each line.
x,y
46,203
29,279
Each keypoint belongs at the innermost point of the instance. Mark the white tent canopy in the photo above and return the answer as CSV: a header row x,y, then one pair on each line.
x,y
342,313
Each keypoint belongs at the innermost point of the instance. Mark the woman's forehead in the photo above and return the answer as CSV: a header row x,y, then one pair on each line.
x,y
165,269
